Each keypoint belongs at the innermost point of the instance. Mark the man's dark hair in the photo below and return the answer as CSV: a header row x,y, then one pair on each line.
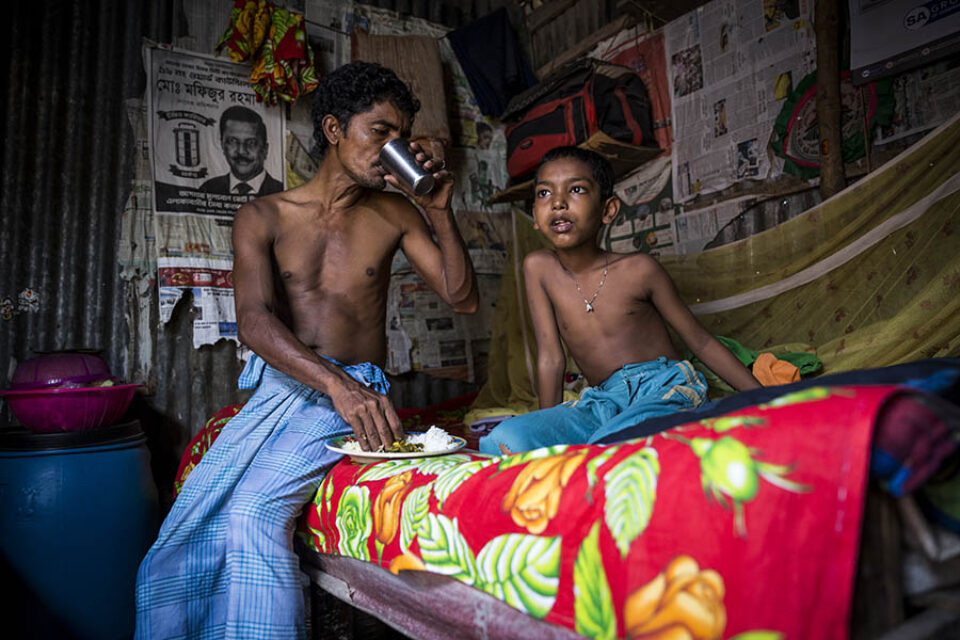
x,y
355,88
242,114
483,127
600,167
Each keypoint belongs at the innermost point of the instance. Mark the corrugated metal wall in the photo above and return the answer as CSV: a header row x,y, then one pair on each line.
x,y
66,170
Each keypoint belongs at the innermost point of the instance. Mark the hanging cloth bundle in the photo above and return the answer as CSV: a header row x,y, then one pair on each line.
x,y
274,39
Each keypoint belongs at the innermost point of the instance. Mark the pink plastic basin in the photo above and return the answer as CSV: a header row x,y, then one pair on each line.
x,y
80,409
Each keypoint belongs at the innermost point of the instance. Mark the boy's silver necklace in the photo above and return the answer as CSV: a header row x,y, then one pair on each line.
x,y
603,279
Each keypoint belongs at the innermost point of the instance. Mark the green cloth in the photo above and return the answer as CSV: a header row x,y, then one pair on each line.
x,y
805,361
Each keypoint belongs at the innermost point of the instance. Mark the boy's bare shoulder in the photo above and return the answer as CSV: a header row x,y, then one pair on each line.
x,y
540,260
636,264
634,260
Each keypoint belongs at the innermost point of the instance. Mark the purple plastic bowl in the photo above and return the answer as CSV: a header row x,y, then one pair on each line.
x,y
54,369
55,410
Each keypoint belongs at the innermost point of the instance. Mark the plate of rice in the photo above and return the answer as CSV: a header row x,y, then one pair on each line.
x,y
417,444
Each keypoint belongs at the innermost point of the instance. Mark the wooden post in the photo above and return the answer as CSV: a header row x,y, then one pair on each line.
x,y
825,18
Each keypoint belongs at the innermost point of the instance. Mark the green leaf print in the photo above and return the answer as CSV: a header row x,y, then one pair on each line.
x,y
323,493
728,423
810,394
521,570
443,550
758,634
631,490
312,542
414,510
522,458
593,611
354,522
329,494
451,479
439,464
388,469
596,463
425,466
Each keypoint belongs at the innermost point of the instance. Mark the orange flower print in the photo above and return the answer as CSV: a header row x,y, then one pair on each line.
x,y
681,603
386,509
535,495
406,562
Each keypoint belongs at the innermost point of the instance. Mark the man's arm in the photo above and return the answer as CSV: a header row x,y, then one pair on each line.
x,y
446,268
369,413
678,315
551,360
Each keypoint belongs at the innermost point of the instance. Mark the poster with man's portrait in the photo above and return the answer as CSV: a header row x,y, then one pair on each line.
x,y
214,146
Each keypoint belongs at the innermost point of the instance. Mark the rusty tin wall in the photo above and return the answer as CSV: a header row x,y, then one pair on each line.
x,y
67,166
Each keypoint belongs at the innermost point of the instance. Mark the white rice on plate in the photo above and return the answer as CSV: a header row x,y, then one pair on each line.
x,y
434,439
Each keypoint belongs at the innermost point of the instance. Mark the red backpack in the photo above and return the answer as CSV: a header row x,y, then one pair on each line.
x,y
583,98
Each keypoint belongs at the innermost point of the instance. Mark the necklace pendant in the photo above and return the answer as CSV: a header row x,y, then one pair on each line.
x,y
589,307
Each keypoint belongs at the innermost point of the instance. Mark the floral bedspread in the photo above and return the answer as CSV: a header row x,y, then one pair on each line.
x,y
742,526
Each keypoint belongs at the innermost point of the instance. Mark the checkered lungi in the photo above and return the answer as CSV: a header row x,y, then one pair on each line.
x,y
223,564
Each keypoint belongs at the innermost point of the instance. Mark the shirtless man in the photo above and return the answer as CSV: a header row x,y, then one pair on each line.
x,y
311,271
611,310
312,264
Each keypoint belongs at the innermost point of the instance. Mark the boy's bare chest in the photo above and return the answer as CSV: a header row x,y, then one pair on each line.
x,y
597,306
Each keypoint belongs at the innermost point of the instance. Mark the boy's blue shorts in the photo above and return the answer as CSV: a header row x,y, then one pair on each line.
x,y
629,396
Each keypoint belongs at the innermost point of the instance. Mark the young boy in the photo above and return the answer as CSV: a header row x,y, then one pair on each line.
x,y
611,310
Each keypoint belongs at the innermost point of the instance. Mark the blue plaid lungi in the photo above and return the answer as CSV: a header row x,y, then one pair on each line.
x,y
631,394
223,564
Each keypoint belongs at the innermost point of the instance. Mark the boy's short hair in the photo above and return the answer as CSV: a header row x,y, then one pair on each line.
x,y
600,167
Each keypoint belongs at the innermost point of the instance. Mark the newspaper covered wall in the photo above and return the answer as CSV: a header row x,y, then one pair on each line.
x,y
730,65
423,332
214,148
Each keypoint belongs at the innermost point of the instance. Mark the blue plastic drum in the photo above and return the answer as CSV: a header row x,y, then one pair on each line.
x,y
78,512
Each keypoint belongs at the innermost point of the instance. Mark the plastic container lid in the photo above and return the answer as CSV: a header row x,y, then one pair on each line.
x,y
20,439
53,369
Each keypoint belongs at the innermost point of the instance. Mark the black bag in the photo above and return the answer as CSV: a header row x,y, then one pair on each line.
x,y
580,100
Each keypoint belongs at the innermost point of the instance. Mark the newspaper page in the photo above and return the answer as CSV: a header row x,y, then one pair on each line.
x,y
137,249
423,332
646,219
326,26
480,173
695,228
729,65
923,99
213,148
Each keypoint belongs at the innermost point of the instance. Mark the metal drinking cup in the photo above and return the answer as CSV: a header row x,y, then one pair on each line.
x,y
397,158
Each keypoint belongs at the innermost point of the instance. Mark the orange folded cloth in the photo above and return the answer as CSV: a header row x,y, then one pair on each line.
x,y
770,371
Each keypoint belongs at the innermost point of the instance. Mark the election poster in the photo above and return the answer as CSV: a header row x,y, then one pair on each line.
x,y
213,148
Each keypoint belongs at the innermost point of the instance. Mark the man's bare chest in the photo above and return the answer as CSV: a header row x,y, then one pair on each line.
x,y
333,259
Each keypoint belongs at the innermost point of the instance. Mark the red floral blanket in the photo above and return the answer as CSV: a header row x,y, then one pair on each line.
x,y
743,526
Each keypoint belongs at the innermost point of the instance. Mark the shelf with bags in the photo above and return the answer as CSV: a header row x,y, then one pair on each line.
x,y
623,156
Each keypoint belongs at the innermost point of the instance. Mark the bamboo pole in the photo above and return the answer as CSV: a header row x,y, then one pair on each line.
x,y
828,98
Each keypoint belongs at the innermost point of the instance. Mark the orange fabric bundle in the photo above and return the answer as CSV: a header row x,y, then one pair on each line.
x,y
770,371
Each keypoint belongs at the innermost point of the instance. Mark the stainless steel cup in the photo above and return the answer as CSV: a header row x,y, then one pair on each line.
x,y
397,158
